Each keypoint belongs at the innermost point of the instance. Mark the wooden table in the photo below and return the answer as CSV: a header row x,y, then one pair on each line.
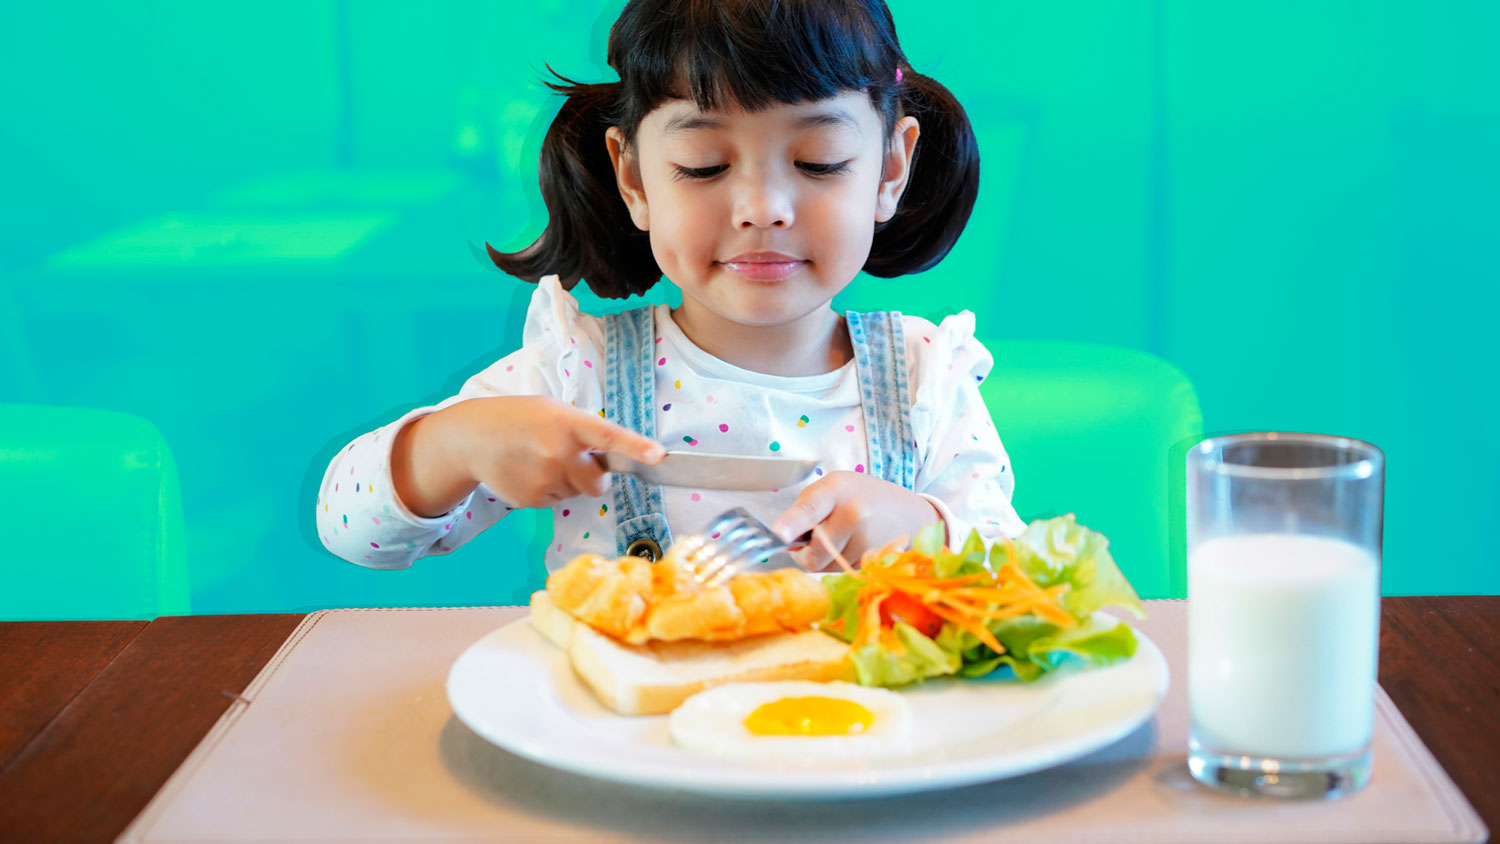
x,y
95,715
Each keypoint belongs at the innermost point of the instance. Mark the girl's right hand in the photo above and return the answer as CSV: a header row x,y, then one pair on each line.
x,y
532,451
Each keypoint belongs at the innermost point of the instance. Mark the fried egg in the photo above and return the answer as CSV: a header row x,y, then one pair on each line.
x,y
792,722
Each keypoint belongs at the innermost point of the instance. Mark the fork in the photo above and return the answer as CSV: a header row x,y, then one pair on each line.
x,y
731,543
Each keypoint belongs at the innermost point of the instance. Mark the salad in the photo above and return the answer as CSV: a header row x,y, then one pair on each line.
x,y
1025,604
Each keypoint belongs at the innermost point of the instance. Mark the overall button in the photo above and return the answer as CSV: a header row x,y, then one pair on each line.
x,y
645,547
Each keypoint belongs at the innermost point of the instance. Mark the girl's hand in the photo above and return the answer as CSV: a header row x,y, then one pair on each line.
x,y
856,512
533,451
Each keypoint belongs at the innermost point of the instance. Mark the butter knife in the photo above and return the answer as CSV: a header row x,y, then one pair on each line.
x,y
713,471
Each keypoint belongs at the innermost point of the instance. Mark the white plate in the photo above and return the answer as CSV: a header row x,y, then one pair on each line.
x,y
518,690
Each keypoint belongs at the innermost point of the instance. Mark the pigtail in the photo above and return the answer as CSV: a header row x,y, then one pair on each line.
x,y
589,233
941,189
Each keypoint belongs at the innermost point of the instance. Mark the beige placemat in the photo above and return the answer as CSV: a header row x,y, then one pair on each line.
x,y
347,735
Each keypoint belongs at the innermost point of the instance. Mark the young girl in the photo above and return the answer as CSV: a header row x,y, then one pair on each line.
x,y
758,154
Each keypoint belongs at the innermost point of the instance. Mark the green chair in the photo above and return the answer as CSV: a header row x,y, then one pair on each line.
x,y
1100,432
94,516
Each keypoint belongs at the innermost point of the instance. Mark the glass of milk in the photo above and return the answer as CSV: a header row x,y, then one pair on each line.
x,y
1283,542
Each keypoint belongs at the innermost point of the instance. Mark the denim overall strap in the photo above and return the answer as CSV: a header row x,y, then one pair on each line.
x,y
630,401
880,360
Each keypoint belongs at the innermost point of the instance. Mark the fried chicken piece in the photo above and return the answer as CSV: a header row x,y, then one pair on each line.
x,y
782,599
708,614
636,601
611,595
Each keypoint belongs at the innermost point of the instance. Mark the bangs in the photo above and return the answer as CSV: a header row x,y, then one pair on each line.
x,y
751,53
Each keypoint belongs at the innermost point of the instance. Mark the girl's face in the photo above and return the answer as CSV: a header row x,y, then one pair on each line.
x,y
760,218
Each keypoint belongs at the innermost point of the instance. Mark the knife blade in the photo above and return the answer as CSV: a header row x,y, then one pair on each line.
x,y
713,471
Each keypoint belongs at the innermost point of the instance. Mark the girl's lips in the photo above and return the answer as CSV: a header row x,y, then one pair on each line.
x,y
763,270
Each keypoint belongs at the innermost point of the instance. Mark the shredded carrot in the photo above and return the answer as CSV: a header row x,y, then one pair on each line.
x,y
968,602
890,547
999,595
889,639
914,583
959,607
871,626
820,534
971,626
1055,614
1013,572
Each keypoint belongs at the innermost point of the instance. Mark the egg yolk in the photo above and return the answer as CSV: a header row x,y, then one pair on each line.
x,y
808,716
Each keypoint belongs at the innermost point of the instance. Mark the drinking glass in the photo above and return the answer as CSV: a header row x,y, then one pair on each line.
x,y
1283,557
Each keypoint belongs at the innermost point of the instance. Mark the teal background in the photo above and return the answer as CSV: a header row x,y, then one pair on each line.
x,y
253,225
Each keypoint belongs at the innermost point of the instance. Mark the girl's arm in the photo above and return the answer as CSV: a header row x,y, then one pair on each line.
x,y
964,469
516,435
523,451
362,519
973,491
963,475
425,473
534,451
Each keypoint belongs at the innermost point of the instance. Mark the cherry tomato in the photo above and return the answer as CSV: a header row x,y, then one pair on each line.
x,y
904,608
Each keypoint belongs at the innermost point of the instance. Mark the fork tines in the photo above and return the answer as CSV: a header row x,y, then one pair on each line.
x,y
742,539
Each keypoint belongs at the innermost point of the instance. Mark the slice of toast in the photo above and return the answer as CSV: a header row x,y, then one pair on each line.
x,y
654,678
552,622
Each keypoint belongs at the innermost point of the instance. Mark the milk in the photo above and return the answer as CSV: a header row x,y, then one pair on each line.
x,y
1282,637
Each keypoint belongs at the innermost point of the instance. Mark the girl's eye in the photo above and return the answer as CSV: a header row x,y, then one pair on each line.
x,y
809,167
698,172
823,169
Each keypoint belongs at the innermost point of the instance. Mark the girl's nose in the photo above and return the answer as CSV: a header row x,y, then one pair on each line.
x,y
762,206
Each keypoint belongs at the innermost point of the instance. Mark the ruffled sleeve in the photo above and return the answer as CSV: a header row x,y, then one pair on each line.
x,y
560,355
359,516
963,468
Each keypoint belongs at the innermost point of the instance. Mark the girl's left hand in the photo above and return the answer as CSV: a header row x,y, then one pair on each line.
x,y
856,512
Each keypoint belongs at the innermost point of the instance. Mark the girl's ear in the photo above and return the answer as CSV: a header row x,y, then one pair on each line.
x,y
627,177
897,167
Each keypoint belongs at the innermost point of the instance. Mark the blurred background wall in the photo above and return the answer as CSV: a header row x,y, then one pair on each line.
x,y
253,224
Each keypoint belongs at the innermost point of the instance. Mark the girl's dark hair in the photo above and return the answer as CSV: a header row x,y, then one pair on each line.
x,y
754,54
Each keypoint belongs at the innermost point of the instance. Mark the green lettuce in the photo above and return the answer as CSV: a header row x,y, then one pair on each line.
x,y
843,614
1060,550
1050,552
917,659
970,559
1034,646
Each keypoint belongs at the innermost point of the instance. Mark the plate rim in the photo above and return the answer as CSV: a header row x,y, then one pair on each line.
x,y
879,781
